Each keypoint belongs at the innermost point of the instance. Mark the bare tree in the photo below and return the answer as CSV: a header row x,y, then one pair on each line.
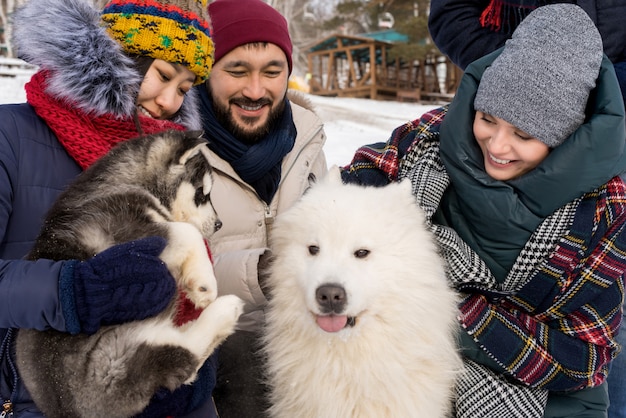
x,y
6,8
304,26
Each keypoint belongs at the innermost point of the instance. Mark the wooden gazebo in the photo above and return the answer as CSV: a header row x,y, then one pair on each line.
x,y
359,66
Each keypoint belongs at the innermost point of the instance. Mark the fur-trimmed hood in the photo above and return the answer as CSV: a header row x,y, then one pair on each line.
x,y
87,67
300,99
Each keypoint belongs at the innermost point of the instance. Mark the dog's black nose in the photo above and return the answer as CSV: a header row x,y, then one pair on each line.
x,y
217,225
331,298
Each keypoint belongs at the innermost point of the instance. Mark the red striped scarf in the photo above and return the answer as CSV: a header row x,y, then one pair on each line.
x,y
505,15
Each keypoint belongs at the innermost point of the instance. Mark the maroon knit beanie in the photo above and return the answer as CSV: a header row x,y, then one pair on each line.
x,y
239,22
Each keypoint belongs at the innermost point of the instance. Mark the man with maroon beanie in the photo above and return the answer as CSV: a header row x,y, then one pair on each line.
x,y
266,148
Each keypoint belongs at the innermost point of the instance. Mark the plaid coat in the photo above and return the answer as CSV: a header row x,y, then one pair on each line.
x,y
551,325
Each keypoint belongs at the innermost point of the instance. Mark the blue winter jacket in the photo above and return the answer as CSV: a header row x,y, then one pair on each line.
x,y
456,30
34,169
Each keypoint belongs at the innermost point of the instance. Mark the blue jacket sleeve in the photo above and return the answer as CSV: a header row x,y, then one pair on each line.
x,y
455,28
34,169
30,294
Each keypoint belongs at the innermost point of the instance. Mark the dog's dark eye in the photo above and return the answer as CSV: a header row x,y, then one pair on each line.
x,y
314,249
361,253
200,198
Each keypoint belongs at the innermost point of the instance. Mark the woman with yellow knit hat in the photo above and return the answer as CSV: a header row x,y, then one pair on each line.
x,y
104,77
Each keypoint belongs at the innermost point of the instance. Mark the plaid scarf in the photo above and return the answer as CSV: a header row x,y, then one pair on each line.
x,y
86,137
504,16
551,324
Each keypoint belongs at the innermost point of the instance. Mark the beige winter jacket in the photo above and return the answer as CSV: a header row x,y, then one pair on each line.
x,y
247,219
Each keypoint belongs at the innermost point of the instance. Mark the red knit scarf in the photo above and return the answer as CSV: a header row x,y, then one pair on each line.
x,y
86,137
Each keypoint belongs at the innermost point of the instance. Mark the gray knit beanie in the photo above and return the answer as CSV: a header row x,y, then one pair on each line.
x,y
541,81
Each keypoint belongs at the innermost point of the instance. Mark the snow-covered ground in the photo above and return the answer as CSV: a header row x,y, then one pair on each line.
x,y
12,88
349,123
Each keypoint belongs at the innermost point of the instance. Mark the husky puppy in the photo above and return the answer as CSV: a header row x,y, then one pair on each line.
x,y
361,322
154,185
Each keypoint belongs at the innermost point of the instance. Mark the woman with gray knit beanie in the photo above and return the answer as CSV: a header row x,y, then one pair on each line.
x,y
519,179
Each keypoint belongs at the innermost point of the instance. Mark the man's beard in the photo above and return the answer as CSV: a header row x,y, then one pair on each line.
x,y
224,118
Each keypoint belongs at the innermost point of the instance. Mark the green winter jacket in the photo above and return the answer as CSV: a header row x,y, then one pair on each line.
x,y
568,173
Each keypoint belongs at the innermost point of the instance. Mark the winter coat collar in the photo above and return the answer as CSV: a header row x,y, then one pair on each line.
x,y
476,203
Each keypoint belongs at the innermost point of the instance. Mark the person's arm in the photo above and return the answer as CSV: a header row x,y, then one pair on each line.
x,y
549,358
319,167
455,28
124,283
557,332
378,164
28,289
30,292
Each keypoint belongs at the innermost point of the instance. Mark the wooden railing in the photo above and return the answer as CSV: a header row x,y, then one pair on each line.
x,y
11,67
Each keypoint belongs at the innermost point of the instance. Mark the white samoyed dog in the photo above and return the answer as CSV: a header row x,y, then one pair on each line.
x,y
361,321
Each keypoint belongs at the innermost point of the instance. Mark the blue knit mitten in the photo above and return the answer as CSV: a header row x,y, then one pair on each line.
x,y
123,283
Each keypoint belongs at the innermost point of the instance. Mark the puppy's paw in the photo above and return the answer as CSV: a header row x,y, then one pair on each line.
x,y
224,313
198,280
228,307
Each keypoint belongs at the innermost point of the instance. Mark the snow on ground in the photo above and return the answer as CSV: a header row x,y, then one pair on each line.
x,y
348,122
12,89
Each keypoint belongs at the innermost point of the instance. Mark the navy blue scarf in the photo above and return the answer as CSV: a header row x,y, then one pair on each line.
x,y
258,164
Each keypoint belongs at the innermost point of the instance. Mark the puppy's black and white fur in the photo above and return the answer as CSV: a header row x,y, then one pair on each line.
x,y
155,185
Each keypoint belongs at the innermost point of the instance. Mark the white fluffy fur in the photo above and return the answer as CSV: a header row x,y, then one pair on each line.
x,y
399,360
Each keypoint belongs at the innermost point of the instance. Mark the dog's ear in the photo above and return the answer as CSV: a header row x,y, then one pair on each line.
x,y
192,152
200,149
404,191
333,176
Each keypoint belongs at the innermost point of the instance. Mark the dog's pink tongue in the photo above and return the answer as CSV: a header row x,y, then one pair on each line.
x,y
332,323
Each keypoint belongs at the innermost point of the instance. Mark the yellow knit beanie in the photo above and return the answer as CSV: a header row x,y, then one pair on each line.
x,y
175,31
